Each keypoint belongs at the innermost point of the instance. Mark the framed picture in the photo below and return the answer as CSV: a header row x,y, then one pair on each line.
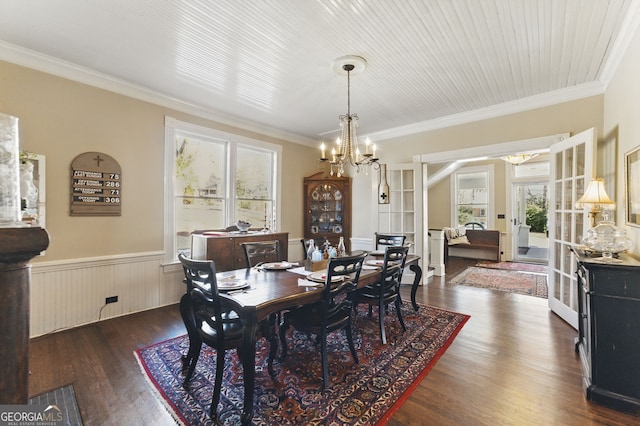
x,y
632,175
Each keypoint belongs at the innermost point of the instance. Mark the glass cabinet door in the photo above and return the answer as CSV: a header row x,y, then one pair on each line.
x,y
328,208
327,214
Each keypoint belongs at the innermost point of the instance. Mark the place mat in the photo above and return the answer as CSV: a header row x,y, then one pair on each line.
x,y
227,284
301,271
277,266
307,283
322,277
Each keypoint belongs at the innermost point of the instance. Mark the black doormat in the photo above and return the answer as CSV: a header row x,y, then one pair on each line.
x,y
65,399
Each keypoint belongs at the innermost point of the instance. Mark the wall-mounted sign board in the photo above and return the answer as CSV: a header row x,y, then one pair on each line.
x,y
96,185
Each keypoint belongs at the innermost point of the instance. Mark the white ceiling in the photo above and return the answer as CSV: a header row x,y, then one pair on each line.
x,y
269,63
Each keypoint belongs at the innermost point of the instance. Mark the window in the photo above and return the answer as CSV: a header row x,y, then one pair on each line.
x,y
472,195
254,194
537,168
213,179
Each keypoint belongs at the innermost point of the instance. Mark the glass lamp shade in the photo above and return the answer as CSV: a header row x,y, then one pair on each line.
x,y
607,239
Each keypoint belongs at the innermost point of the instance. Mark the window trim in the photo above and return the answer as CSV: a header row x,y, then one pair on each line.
x,y
173,127
489,169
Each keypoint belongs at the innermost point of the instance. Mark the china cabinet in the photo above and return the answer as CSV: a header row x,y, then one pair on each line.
x,y
327,208
609,326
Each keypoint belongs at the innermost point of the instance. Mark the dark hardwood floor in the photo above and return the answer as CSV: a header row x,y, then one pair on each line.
x,y
513,363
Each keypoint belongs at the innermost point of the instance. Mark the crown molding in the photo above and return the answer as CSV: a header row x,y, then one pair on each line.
x,y
60,68
506,108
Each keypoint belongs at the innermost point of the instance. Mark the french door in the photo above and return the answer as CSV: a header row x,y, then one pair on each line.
x,y
402,214
571,166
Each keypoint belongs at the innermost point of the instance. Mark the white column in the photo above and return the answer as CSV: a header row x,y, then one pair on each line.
x,y
436,261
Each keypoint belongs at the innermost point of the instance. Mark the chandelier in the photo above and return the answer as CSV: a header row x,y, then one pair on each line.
x,y
347,151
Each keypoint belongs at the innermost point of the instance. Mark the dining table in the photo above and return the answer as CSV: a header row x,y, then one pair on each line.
x,y
272,290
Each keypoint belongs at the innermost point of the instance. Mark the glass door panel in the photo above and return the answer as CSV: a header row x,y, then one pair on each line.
x,y
530,212
571,165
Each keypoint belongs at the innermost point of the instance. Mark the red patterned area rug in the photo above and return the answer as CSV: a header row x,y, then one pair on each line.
x,y
367,393
515,266
531,284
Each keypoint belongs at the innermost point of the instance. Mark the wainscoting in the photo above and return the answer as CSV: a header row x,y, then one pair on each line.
x,y
70,293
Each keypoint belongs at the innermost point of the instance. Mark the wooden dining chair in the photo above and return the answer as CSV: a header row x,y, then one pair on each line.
x,y
385,240
333,313
387,290
211,321
256,252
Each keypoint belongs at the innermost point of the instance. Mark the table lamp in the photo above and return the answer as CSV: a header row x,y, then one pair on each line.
x,y
604,237
596,198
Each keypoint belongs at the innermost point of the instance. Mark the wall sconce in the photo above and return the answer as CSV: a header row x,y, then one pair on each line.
x,y
595,198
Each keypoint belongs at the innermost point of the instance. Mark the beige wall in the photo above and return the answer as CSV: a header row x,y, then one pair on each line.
x,y
60,119
622,123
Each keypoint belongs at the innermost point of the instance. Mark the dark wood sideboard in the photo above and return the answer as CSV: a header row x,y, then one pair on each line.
x,y
225,248
609,331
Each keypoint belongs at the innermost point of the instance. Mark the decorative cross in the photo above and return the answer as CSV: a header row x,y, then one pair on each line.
x,y
383,196
98,160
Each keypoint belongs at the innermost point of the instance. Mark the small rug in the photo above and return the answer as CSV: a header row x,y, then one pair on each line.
x,y
531,284
64,401
515,266
365,393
